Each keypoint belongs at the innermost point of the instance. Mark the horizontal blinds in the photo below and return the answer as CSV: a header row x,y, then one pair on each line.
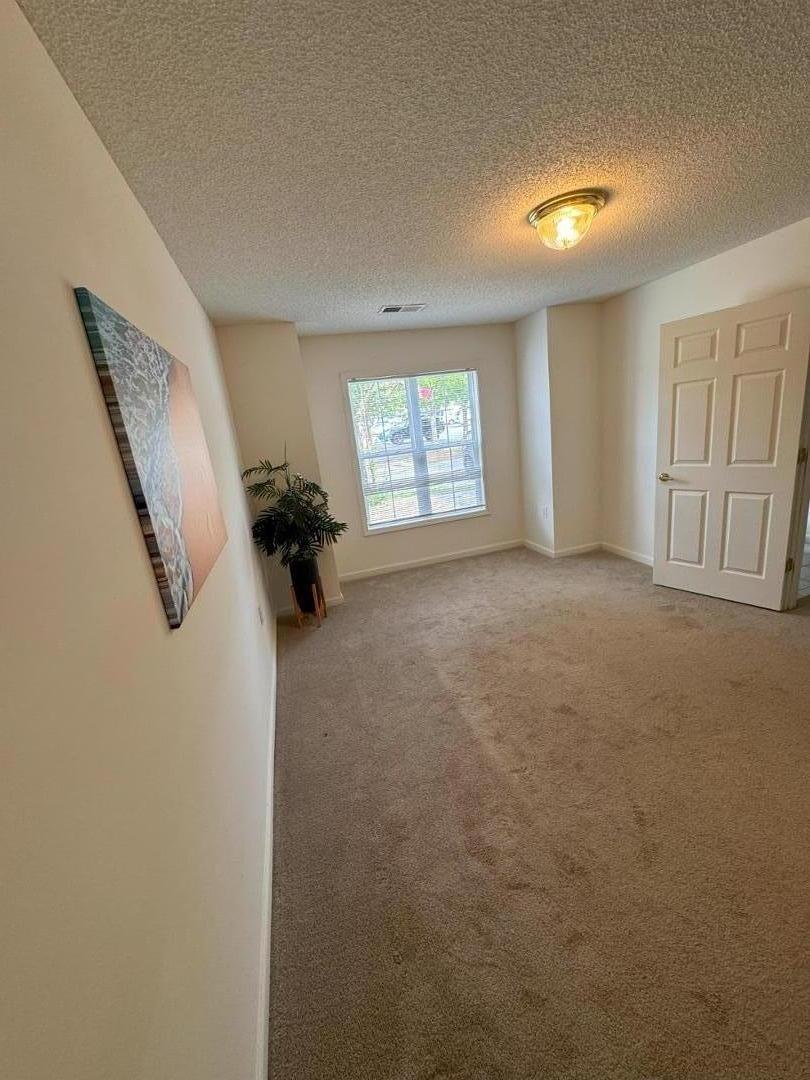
x,y
458,477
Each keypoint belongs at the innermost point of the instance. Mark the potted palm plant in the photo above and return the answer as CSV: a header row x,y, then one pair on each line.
x,y
296,525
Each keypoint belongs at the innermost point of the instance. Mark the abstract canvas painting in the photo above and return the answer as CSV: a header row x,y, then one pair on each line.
x,y
162,444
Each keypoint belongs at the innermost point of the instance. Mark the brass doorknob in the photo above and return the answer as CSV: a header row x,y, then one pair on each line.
x,y
664,477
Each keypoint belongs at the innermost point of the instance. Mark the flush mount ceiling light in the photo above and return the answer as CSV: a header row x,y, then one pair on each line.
x,y
562,222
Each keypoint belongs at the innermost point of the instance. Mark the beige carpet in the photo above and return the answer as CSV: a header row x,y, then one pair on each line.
x,y
538,818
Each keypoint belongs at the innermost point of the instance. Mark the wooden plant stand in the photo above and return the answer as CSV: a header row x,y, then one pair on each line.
x,y
319,600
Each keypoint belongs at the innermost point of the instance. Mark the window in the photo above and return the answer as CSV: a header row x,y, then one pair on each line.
x,y
418,441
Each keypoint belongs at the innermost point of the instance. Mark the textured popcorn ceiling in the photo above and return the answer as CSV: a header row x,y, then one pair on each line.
x,y
313,160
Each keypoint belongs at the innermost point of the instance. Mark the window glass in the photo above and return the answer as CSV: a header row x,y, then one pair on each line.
x,y
418,442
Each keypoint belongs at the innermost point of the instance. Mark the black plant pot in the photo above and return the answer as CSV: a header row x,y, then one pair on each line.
x,y
304,574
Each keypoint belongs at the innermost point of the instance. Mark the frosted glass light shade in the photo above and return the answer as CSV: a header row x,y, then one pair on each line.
x,y
563,221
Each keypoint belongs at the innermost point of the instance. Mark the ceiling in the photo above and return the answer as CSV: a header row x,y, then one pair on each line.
x,y
311,160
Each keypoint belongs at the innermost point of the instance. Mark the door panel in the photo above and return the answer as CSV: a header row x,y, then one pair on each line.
x,y
731,397
692,422
763,334
756,412
745,532
687,527
690,348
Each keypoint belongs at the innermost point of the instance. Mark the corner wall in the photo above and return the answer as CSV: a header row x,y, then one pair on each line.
x,y
557,363
134,792
573,351
629,363
265,377
534,408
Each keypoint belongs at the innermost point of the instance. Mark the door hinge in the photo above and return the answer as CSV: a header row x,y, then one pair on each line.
x,y
789,565
802,455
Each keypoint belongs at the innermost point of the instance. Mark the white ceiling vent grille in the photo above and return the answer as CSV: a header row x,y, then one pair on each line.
x,y
400,309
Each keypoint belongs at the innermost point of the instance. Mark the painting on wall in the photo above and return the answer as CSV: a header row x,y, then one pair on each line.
x,y
162,444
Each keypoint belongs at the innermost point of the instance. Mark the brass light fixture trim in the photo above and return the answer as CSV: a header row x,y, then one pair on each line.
x,y
581,206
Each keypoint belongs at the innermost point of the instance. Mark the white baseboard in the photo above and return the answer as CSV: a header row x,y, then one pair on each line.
x,y
625,553
580,549
393,568
331,601
430,560
561,553
548,552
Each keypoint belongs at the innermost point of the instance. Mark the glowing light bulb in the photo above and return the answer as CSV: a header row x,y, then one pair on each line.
x,y
563,221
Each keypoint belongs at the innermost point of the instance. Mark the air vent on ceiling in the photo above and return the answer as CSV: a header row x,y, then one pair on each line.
x,y
401,309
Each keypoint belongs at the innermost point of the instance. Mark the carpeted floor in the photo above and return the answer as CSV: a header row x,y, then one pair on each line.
x,y
539,819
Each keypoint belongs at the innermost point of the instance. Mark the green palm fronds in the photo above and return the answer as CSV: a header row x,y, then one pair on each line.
x,y
297,523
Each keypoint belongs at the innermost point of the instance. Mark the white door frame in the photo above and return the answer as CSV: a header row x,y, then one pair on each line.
x,y
801,504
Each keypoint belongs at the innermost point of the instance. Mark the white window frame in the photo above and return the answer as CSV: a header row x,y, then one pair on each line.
x,y
434,519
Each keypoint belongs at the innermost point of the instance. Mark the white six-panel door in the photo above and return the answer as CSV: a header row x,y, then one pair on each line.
x,y
730,403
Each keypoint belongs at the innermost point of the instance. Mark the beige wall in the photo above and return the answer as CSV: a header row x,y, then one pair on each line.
x,y
135,759
629,361
265,379
534,408
573,353
488,349
558,400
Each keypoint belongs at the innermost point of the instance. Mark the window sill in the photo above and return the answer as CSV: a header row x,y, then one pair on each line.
x,y
418,523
